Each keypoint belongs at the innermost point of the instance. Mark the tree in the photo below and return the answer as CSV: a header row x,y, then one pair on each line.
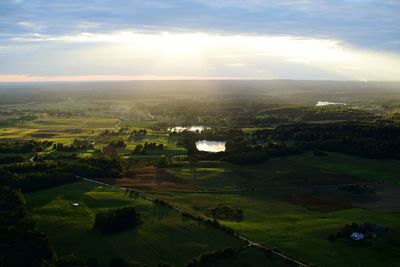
x,y
118,262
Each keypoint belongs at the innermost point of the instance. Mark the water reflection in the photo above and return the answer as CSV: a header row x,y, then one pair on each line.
x,y
326,103
179,129
211,146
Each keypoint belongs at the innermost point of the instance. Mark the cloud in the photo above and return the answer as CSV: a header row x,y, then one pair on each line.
x,y
235,64
194,54
372,24
310,39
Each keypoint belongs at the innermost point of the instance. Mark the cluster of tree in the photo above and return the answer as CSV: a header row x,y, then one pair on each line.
x,y
138,134
21,243
32,176
357,189
100,167
372,141
64,114
369,230
23,146
246,158
34,181
142,149
23,119
214,258
117,143
225,213
11,159
75,146
120,131
117,220
73,261
279,115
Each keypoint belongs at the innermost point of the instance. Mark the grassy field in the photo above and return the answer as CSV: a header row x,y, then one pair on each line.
x,y
299,221
164,236
368,169
301,170
296,229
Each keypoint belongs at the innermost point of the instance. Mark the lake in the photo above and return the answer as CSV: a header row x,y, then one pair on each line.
x,y
211,146
326,103
179,129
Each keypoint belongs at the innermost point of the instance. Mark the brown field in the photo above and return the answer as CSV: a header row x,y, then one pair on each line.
x,y
149,178
327,179
317,203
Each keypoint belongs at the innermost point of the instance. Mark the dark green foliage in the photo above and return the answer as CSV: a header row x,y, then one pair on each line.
x,y
118,143
43,180
117,220
118,262
246,158
68,261
24,146
357,189
21,244
212,258
12,159
372,141
319,153
138,134
225,213
32,176
147,147
92,262
75,146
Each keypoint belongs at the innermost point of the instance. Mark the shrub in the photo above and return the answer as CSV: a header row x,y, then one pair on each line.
x,y
117,220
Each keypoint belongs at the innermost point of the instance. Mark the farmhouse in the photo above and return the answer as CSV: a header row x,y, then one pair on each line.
x,y
357,236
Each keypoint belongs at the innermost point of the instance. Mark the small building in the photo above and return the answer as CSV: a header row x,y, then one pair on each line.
x,y
357,236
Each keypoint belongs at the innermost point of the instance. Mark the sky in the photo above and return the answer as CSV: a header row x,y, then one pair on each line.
x,y
76,40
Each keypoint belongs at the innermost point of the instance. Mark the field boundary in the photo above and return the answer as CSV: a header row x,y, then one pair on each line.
x,y
194,214
276,188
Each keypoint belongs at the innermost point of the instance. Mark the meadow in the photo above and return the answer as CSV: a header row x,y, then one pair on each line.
x,y
164,236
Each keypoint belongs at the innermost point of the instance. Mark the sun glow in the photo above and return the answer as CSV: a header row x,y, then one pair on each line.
x,y
201,54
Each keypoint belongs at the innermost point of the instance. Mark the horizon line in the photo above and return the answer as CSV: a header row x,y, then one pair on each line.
x,y
24,78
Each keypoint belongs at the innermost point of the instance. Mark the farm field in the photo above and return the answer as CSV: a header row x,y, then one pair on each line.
x,y
286,175
305,170
164,235
297,223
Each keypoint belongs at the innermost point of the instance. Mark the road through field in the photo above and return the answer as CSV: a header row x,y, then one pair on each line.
x,y
194,214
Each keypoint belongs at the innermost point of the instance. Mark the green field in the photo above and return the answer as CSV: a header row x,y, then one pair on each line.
x,y
164,235
296,230
289,171
368,169
295,226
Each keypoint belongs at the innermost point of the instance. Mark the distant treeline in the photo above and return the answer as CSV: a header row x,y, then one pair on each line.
x,y
142,149
32,176
371,141
23,146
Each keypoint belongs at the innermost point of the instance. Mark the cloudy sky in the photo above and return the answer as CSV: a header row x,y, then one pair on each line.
x,y
199,39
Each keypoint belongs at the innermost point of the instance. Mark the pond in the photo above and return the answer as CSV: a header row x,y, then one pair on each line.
x,y
211,146
179,129
326,103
